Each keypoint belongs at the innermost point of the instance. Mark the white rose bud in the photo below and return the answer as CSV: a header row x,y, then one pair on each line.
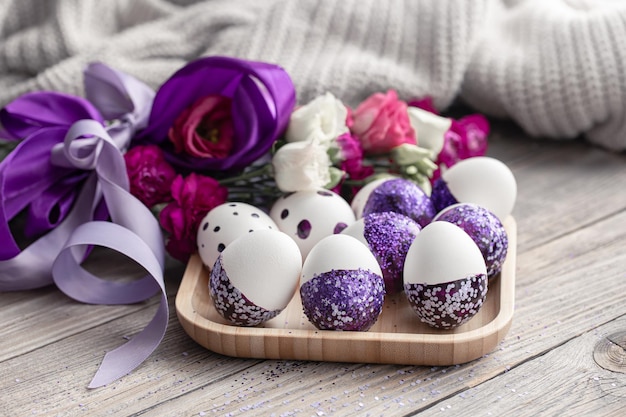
x,y
429,128
301,166
322,119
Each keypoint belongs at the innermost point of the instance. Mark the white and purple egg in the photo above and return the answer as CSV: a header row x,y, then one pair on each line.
x,y
388,235
400,196
445,277
342,287
255,277
481,180
309,216
225,223
485,229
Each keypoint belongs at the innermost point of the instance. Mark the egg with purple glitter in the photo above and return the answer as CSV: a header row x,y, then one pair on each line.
x,y
225,223
388,235
400,196
360,198
485,229
255,277
309,216
445,277
342,287
481,180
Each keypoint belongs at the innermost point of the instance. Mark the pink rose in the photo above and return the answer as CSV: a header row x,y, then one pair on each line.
x,y
204,129
381,122
194,196
149,174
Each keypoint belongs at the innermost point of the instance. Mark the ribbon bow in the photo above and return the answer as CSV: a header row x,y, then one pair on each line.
x,y
65,144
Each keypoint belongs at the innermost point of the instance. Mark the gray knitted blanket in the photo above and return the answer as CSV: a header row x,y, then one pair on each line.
x,y
556,67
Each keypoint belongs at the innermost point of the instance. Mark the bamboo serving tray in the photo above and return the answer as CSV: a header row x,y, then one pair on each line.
x,y
398,337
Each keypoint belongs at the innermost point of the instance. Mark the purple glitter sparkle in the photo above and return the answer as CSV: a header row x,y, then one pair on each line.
x,y
231,303
348,300
441,195
485,229
449,304
401,196
389,236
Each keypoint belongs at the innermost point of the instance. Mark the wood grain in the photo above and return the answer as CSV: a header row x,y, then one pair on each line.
x,y
570,286
397,337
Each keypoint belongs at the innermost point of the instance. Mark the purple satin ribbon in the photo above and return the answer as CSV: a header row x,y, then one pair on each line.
x,y
66,148
68,175
134,231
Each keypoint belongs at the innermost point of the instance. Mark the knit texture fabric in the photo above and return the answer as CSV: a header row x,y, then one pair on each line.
x,y
555,67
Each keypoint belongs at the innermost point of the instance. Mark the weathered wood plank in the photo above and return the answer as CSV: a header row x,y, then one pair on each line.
x,y
571,216
204,382
564,381
31,319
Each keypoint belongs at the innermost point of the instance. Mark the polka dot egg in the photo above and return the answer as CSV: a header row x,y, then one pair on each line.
x,y
224,224
309,216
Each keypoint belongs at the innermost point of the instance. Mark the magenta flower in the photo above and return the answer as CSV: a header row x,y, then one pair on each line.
x,y
261,97
467,137
193,197
381,123
149,174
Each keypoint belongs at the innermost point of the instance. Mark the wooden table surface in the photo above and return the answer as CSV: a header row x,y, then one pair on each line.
x,y
570,305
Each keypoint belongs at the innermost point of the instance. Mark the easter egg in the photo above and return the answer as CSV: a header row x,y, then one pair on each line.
x,y
309,216
225,223
255,277
481,180
388,235
341,287
445,277
401,196
485,229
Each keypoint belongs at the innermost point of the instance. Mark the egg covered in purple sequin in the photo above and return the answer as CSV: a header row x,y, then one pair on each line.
x,y
342,287
445,277
255,277
388,236
401,196
485,229
310,215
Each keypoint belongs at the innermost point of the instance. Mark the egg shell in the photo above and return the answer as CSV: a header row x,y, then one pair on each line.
x,y
338,252
481,180
255,277
445,277
485,229
309,216
448,305
360,198
401,196
388,235
342,287
442,252
225,223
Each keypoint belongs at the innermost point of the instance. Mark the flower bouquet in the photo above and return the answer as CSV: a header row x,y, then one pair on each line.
x,y
124,164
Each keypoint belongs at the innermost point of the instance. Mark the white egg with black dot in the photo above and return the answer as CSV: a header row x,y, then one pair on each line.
x,y
255,277
225,223
309,216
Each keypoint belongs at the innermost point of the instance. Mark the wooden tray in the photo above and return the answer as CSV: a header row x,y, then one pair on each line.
x,y
398,337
